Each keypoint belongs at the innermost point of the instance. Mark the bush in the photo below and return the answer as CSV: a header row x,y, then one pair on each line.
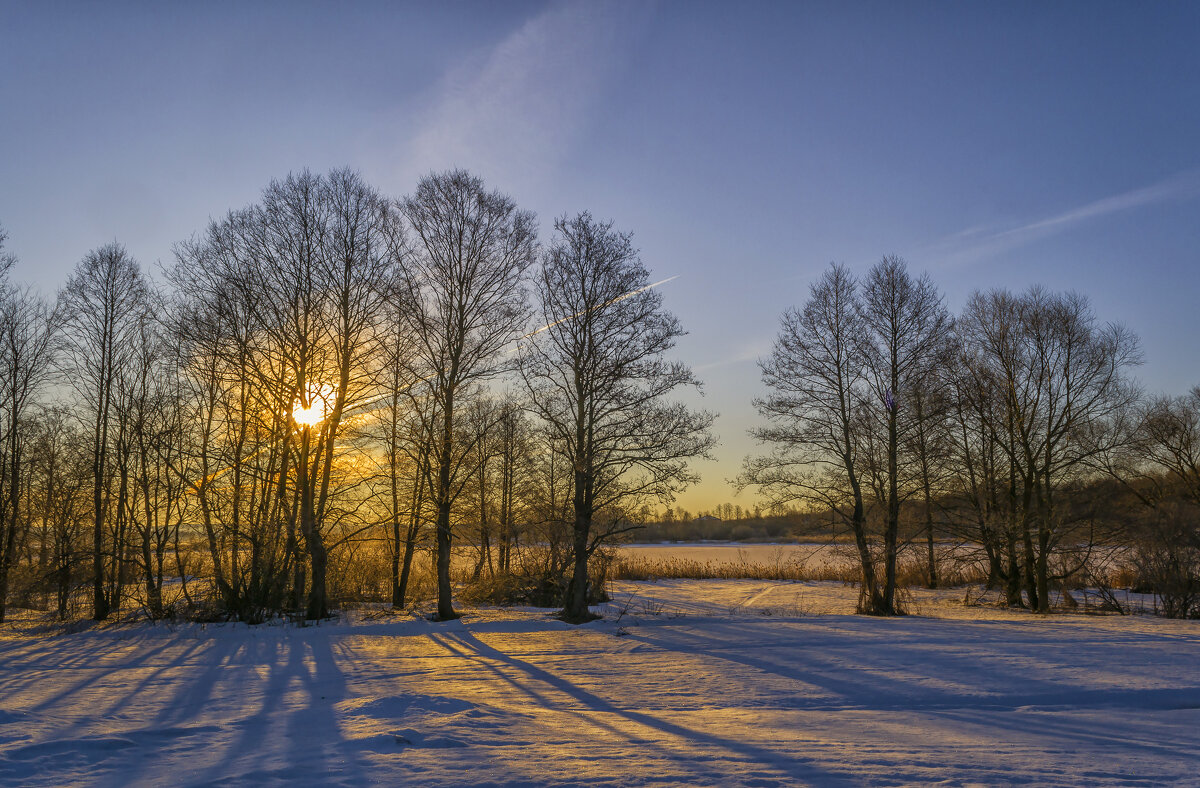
x,y
358,573
510,589
1168,566
539,581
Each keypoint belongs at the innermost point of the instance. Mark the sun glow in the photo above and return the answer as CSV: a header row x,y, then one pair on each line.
x,y
317,409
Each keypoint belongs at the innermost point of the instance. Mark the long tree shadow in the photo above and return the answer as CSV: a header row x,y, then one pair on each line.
x,y
541,700
109,718
97,670
787,766
1052,731
870,686
297,665
326,686
147,723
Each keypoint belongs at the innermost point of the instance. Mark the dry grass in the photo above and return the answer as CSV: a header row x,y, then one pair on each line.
x,y
628,568
834,569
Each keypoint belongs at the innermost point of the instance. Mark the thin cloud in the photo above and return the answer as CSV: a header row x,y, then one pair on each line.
x,y
516,111
977,243
750,352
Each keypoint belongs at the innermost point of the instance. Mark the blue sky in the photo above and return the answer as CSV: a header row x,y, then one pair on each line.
x,y
746,145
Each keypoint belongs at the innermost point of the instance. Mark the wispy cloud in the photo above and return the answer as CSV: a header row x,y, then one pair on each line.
x,y
979,242
515,111
751,351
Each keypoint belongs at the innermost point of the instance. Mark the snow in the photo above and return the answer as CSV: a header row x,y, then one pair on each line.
x,y
697,682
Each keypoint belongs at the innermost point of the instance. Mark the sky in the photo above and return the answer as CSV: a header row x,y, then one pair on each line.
x,y
745,145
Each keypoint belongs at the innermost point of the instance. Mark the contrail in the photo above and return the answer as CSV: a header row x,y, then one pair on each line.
x,y
630,294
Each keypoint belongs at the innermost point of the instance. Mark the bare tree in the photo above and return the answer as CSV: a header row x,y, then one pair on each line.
x,y
481,420
597,376
147,413
514,446
815,374
984,481
403,430
1170,442
905,327
1061,375
465,282
291,294
7,259
26,357
361,248
992,390
59,456
100,310
238,433
1160,467
928,446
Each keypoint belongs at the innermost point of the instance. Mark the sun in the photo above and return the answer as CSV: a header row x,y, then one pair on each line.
x,y
310,416
318,406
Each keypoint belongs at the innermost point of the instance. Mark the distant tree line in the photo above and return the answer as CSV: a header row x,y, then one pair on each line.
x,y
326,384
1015,425
724,522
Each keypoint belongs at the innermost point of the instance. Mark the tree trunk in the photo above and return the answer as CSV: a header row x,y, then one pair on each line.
x,y
318,607
1042,569
99,598
484,558
64,585
575,610
5,562
298,583
1012,580
892,530
100,603
397,593
869,600
506,493
445,605
931,556
443,534
393,459
1029,573
10,535
153,593
401,591
485,548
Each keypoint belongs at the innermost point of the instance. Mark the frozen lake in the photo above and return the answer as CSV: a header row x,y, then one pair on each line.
x,y
733,553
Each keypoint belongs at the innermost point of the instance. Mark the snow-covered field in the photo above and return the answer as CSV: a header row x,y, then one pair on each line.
x,y
686,682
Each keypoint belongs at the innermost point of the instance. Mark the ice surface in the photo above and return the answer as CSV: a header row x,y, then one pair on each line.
x,y
684,683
